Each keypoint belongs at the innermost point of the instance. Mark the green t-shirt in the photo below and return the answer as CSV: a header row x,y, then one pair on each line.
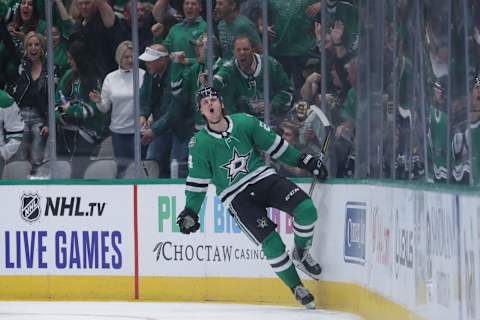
x,y
179,38
438,124
60,58
227,32
293,28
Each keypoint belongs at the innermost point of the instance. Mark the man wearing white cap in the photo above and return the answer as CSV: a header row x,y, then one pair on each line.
x,y
165,141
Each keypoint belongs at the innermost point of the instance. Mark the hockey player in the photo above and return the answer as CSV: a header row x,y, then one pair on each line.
x,y
227,153
11,127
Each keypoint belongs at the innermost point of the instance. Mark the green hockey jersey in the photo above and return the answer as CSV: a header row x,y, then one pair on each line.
x,y
232,160
243,91
82,112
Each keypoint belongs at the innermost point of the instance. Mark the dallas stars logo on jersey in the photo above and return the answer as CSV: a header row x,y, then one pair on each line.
x,y
231,160
237,164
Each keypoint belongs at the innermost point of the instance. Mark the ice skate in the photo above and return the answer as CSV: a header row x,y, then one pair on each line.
x,y
303,261
304,296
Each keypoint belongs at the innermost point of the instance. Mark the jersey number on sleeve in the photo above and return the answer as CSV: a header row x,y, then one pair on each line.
x,y
264,126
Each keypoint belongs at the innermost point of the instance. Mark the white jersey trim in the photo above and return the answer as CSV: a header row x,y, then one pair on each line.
x,y
198,180
196,189
219,135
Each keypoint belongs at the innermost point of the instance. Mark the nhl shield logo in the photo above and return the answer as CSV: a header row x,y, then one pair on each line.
x,y
30,210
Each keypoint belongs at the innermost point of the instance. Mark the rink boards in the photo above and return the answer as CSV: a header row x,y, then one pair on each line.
x,y
385,250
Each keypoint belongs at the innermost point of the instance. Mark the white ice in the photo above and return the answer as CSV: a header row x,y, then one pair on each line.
x,y
23,310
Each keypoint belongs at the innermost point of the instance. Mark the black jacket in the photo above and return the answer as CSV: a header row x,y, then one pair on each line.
x,y
22,85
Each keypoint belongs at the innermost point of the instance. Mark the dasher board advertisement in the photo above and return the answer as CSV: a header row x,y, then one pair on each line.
x,y
218,249
66,230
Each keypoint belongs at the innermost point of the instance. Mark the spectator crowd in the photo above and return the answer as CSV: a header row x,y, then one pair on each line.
x,y
431,121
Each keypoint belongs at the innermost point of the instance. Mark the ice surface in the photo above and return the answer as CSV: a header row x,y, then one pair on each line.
x,y
23,310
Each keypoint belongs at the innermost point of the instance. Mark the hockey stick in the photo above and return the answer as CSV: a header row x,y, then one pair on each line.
x,y
326,141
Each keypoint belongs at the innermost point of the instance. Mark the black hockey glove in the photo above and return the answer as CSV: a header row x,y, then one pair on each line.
x,y
313,165
187,220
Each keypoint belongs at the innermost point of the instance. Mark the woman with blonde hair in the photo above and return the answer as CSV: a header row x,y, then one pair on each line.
x,y
117,95
30,91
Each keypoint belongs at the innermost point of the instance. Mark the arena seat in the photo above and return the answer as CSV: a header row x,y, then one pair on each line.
x,y
101,169
16,170
62,170
149,169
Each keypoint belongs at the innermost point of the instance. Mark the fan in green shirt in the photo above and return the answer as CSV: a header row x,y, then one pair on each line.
x,y
293,38
294,33
437,134
181,34
233,24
